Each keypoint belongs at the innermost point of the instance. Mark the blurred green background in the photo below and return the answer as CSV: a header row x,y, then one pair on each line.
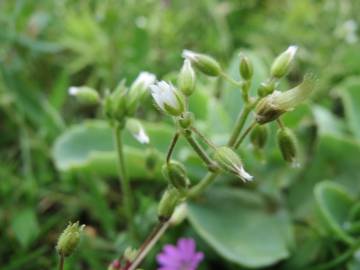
x,y
54,169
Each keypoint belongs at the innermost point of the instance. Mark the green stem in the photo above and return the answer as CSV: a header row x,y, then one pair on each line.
x,y
124,182
231,80
239,125
199,150
172,146
243,136
61,262
338,260
280,123
202,185
206,140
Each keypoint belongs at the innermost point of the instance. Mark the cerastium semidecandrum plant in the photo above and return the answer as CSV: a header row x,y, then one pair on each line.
x,y
268,105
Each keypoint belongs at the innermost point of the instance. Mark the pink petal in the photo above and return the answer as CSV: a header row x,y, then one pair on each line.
x,y
167,261
186,247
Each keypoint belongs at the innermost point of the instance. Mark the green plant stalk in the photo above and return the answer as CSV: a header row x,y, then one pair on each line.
x,y
243,136
206,140
172,146
239,125
199,150
124,182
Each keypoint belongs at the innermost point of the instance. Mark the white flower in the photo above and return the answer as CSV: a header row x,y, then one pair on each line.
x,y
292,51
73,90
144,80
136,129
187,54
168,98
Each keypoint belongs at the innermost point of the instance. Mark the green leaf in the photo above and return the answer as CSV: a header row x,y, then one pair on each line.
x,y
89,147
240,228
25,226
334,204
335,158
349,91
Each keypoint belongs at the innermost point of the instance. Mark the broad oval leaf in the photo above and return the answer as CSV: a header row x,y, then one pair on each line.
x,y
240,228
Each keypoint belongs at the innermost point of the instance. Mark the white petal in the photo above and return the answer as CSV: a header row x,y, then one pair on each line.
x,y
189,54
142,137
292,50
244,175
73,90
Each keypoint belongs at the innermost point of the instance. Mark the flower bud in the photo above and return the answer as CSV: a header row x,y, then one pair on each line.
x,y
115,265
138,90
288,144
85,95
176,174
186,78
186,120
167,204
274,105
137,131
229,161
266,88
246,68
151,158
115,103
282,63
179,215
69,239
258,136
168,98
204,63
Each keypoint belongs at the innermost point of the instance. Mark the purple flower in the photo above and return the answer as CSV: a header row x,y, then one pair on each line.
x,y
183,256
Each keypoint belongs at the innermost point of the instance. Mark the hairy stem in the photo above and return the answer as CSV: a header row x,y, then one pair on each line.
x,y
243,136
239,125
154,237
124,182
206,140
199,150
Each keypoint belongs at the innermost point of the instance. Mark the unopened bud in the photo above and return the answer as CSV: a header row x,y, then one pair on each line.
x,y
138,90
115,103
186,79
204,63
266,88
176,174
274,105
137,130
258,136
69,239
130,254
186,120
115,265
168,98
179,215
282,63
229,161
246,68
288,145
167,204
85,95
151,158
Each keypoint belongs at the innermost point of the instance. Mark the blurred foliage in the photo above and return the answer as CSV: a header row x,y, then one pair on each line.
x,y
53,169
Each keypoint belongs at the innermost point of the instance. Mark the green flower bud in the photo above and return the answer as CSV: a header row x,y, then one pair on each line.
x,y
258,136
204,63
288,145
229,161
85,95
130,254
167,204
138,90
137,131
186,78
246,68
186,120
266,88
151,158
282,63
176,174
274,105
69,239
168,98
179,215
